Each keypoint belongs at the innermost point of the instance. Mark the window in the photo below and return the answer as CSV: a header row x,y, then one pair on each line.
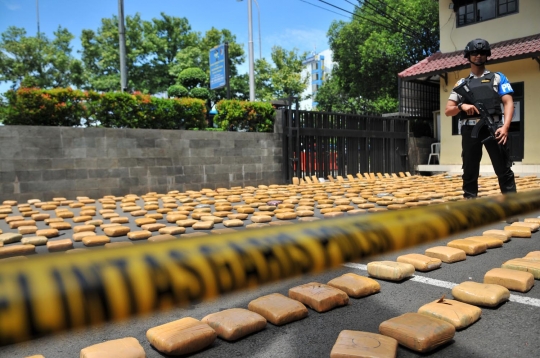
x,y
474,11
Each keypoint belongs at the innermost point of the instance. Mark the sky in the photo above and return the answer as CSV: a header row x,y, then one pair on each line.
x,y
300,24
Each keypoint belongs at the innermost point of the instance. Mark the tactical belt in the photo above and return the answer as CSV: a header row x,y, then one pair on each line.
x,y
473,121
470,122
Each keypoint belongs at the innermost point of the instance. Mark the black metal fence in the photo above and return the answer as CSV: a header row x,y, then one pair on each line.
x,y
321,144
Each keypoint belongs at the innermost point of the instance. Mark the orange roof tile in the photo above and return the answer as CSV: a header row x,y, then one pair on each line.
x,y
503,51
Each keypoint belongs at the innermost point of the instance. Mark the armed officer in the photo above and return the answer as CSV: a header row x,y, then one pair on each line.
x,y
492,89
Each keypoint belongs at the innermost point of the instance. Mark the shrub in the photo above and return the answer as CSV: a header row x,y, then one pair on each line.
x,y
177,91
243,115
56,107
192,77
67,107
200,92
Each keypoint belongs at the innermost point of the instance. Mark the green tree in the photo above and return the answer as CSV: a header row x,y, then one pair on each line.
x,y
194,81
151,49
281,79
197,56
37,61
384,38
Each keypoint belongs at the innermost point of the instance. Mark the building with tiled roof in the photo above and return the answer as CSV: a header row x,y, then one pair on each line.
x,y
513,30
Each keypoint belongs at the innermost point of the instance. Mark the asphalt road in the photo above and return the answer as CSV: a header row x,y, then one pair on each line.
x,y
510,330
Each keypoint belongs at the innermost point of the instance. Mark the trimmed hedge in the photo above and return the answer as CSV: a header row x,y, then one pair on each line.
x,y
244,115
68,107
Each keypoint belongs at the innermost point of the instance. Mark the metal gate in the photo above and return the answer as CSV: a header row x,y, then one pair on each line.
x,y
322,143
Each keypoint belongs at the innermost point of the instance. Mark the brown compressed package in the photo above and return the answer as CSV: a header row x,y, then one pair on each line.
x,y
65,214
532,254
59,245
34,240
305,213
533,226
203,225
153,227
333,214
318,296
9,219
353,344
286,216
418,332
116,231
355,285
390,270
128,347
16,250
233,223
53,220
245,210
469,246
81,219
194,234
10,237
480,294
490,241
40,217
119,220
235,323
160,238
238,216
139,235
459,314
420,262
186,223
184,336
446,254
261,218
83,228
79,236
278,309
139,213
62,225
18,223
258,213
96,240
527,265
514,280
144,221
96,222
172,230
173,217
47,233
519,231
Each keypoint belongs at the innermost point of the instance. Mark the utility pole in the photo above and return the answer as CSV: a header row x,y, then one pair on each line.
x,y
37,14
250,48
122,39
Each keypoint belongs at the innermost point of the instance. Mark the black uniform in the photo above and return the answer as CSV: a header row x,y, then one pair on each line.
x,y
487,89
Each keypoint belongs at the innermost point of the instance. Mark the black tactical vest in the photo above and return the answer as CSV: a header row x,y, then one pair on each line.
x,y
482,89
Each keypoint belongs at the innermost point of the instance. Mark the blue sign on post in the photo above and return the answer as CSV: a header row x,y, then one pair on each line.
x,y
218,70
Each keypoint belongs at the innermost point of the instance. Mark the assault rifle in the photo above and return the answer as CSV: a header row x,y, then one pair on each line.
x,y
485,118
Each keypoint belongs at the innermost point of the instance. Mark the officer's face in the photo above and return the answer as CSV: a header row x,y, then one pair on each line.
x,y
478,58
478,53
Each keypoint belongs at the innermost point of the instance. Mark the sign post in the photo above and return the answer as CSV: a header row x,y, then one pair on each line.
x,y
219,68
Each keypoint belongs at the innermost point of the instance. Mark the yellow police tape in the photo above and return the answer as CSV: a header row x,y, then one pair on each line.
x,y
50,293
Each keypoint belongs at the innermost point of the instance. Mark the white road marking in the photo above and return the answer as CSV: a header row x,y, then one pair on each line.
x,y
445,284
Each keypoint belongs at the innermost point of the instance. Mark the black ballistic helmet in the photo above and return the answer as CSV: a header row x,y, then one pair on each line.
x,y
477,45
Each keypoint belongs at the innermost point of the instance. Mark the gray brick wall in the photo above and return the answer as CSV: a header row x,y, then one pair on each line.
x,y
46,162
